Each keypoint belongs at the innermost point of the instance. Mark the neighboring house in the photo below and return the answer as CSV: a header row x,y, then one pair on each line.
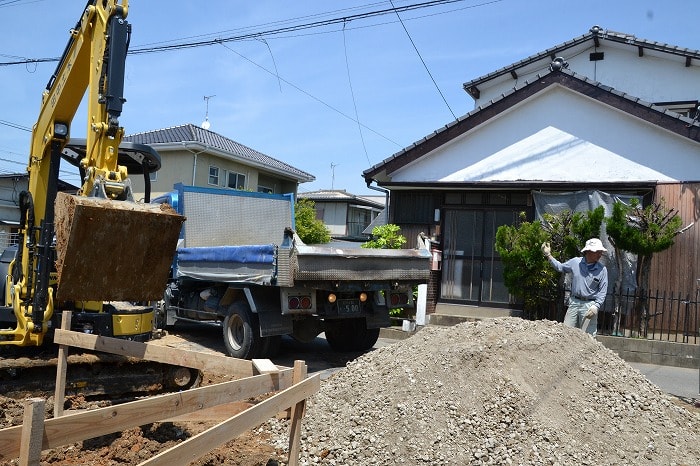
x,y
11,185
602,117
196,156
346,215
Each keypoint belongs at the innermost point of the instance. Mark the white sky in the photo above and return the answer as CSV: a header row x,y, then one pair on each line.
x,y
327,75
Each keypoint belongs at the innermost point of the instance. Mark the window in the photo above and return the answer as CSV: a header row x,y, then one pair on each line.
x,y
264,189
236,180
213,175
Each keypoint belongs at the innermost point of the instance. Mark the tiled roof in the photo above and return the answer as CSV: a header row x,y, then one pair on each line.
x,y
595,34
658,116
337,195
195,134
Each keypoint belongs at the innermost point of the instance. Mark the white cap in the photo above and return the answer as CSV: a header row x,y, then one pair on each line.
x,y
594,245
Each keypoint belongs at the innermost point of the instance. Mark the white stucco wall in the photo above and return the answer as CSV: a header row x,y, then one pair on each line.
x,y
335,217
654,77
560,135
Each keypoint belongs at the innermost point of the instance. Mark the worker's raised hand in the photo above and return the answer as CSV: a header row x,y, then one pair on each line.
x,y
546,250
592,311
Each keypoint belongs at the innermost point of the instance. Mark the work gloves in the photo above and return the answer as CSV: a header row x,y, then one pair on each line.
x,y
546,250
592,311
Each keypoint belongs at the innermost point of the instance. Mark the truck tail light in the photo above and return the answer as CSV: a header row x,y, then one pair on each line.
x,y
398,299
299,302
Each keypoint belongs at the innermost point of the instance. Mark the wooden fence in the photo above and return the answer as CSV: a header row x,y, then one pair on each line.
x,y
257,377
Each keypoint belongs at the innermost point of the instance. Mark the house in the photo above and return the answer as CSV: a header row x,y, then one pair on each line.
x,y
604,116
11,185
199,157
346,215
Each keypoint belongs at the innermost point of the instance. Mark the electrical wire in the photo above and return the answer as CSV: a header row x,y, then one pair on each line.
x,y
424,64
352,94
340,112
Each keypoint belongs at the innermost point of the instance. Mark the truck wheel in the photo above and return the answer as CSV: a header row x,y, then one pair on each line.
x,y
242,332
340,337
351,335
365,338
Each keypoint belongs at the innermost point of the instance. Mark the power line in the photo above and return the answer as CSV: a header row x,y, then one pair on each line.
x,y
424,64
354,102
270,32
340,112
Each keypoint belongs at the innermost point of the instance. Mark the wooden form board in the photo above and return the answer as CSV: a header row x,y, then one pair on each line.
x,y
199,445
89,424
163,354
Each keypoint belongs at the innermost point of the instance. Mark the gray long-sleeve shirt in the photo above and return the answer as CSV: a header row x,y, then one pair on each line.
x,y
589,281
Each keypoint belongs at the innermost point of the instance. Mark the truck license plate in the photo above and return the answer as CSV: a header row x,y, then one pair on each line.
x,y
348,306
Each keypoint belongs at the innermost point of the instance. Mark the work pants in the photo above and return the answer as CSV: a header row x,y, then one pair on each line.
x,y
576,316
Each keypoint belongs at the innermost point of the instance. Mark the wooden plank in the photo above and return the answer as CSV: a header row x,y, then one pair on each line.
x,y
215,413
71,428
152,352
264,366
32,432
62,364
297,414
196,447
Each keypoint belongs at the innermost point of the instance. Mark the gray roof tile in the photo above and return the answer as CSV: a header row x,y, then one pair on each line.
x,y
196,134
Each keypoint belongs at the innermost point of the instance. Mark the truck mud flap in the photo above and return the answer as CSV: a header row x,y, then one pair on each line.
x,y
274,323
378,320
113,250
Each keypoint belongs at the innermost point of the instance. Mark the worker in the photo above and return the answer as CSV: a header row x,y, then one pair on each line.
x,y
589,285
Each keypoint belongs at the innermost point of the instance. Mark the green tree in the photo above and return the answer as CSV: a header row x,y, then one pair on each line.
x,y
385,237
525,273
310,229
643,231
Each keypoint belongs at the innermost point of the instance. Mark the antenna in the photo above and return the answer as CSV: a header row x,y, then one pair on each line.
x,y
205,123
333,165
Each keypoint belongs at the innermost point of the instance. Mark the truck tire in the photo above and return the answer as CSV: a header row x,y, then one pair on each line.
x,y
271,346
366,338
242,332
351,335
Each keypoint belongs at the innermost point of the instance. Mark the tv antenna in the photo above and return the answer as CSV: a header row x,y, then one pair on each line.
x,y
333,165
205,123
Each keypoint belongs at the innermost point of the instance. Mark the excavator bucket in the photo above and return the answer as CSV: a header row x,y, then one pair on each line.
x,y
113,250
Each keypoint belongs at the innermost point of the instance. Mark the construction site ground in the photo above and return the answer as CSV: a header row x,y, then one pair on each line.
x,y
139,444
259,446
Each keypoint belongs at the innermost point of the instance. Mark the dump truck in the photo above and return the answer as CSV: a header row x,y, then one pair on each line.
x,y
241,266
96,251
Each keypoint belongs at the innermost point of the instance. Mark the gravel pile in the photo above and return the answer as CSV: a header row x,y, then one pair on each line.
x,y
495,392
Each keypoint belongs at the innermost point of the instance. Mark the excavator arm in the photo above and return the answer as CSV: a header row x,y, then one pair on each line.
x,y
98,245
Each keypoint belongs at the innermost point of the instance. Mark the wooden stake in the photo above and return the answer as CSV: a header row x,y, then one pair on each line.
x,y
32,432
61,368
299,374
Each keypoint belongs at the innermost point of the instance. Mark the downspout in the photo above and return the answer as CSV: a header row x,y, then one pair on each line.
x,y
386,196
194,162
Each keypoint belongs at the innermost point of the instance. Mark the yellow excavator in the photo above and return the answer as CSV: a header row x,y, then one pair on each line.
x,y
95,252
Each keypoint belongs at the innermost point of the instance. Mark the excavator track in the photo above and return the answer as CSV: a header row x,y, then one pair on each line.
x,y
33,373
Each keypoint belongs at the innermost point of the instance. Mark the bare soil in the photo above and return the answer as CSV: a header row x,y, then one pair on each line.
x,y
262,445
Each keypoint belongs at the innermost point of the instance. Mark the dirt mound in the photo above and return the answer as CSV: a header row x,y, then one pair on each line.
x,y
503,391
